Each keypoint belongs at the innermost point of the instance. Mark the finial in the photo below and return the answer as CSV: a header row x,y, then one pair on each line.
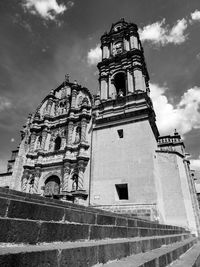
x,y
67,78
175,132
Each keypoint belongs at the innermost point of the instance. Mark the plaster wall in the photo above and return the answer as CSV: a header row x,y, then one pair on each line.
x,y
171,203
123,160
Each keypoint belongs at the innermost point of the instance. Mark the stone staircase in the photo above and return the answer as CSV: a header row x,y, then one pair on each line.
x,y
41,232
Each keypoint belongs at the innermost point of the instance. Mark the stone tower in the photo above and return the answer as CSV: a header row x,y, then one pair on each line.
x,y
124,133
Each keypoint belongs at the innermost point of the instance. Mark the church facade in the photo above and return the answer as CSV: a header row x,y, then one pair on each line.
x,y
105,150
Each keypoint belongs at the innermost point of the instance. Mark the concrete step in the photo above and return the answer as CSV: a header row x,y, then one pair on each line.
x,y
31,231
190,259
161,257
29,209
85,253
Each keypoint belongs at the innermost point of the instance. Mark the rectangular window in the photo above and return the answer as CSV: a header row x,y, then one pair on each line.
x,y
120,133
122,191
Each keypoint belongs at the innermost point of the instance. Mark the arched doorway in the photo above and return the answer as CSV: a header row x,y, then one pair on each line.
x,y
120,83
52,186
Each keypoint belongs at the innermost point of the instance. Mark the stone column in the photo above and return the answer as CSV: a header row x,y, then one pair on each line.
x,y
74,95
67,105
106,53
133,42
81,169
66,175
104,88
33,139
70,132
37,175
49,106
83,129
139,80
112,90
24,180
130,81
44,137
126,44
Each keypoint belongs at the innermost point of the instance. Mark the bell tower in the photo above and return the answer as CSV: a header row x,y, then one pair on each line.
x,y
125,134
123,78
122,70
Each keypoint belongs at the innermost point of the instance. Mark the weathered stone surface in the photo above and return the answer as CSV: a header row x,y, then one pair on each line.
x,y
3,206
101,232
113,251
17,231
85,256
105,220
121,222
73,232
32,259
32,211
51,232
72,215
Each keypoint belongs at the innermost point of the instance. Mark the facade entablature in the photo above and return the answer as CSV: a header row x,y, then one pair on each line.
x,y
135,54
123,100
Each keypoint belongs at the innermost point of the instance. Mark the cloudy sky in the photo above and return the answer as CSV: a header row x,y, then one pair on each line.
x,y
42,40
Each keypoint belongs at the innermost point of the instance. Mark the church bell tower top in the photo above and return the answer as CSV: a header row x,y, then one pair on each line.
x,y
122,70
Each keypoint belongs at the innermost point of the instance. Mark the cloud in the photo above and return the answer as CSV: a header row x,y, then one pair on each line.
x,y
184,116
4,103
195,15
47,9
160,34
94,55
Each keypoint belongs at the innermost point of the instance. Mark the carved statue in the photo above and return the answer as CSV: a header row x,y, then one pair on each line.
x,y
75,182
78,135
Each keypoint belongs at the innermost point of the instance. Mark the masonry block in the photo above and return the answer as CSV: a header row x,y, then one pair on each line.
x,y
132,223
121,222
32,259
32,211
101,232
105,220
73,232
16,231
113,251
79,216
82,257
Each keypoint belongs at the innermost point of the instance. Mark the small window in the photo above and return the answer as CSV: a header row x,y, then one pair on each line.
x,y
120,133
122,191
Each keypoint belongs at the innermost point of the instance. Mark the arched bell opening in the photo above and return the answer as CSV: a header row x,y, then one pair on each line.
x,y
52,186
119,82
57,143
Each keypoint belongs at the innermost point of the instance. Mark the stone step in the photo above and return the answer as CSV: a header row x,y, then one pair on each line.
x,y
161,257
85,253
190,259
31,231
25,209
